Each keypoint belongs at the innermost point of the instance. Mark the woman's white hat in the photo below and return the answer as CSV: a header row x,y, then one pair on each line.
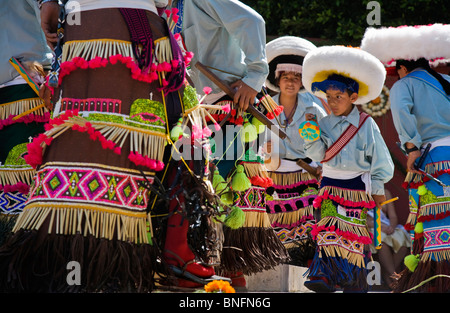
x,y
388,44
287,50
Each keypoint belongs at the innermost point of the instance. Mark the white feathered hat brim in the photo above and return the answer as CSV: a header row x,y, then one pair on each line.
x,y
353,63
388,44
285,49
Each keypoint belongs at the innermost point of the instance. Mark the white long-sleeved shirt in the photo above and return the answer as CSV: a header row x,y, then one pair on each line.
x,y
420,112
225,35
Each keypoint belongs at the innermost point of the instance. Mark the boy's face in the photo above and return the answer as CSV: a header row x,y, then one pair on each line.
x,y
341,103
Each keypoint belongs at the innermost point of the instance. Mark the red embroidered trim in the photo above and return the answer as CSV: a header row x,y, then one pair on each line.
x,y
92,104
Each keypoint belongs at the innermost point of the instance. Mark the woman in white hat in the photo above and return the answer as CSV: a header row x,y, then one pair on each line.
x,y
295,177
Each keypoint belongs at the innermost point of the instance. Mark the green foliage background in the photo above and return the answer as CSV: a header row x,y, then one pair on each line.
x,y
343,21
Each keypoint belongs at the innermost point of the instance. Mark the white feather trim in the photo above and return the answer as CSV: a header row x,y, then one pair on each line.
x,y
408,42
350,62
287,45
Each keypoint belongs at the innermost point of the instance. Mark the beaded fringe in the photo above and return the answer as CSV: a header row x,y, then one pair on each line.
x,y
21,107
348,194
286,179
105,48
256,219
96,222
145,142
12,176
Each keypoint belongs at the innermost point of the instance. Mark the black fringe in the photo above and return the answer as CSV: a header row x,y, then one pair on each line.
x,y
303,251
424,271
36,262
7,222
251,250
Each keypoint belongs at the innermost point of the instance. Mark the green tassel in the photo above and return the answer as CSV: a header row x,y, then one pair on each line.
x,y
176,131
411,262
418,228
260,127
240,181
249,132
221,217
218,182
227,198
235,219
422,190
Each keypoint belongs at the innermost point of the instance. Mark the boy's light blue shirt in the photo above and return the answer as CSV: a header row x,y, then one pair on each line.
x,y
226,35
292,148
21,37
366,152
420,113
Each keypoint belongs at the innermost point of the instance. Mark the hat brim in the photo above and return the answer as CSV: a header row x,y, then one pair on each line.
x,y
353,63
388,44
285,49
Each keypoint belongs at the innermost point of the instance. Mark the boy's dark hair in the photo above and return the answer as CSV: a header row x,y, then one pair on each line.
x,y
423,63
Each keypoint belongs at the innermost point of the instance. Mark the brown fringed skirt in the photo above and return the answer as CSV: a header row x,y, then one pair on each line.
x,y
89,201
254,247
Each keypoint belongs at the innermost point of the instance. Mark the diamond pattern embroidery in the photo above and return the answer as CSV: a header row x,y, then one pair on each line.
x,y
92,186
53,183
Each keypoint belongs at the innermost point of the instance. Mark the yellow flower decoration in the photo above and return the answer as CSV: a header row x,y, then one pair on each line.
x,y
219,286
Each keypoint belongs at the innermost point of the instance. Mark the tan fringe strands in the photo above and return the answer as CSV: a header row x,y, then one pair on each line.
x,y
433,168
288,218
14,175
434,208
145,142
337,251
286,179
17,108
163,50
105,48
90,49
352,195
256,219
96,221
253,169
360,230
441,255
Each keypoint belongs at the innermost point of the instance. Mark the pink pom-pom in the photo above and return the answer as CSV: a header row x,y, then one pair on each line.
x,y
159,166
48,141
226,108
207,132
151,163
175,63
118,150
216,126
114,59
207,90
